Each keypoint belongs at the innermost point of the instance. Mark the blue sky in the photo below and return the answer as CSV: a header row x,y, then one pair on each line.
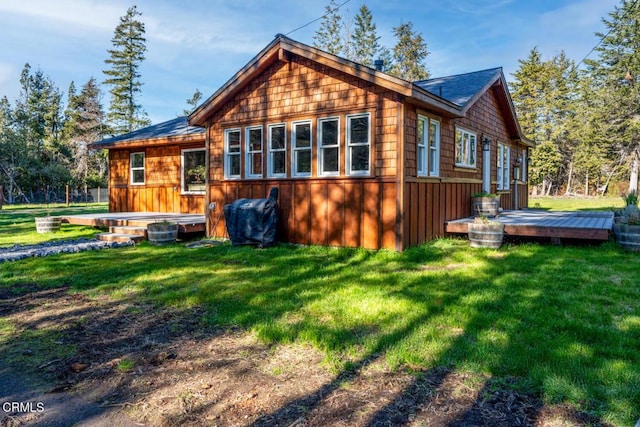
x,y
201,44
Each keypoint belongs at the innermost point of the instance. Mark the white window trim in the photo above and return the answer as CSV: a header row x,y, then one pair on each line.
x,y
502,167
270,150
421,145
143,168
320,147
350,145
295,149
248,159
523,165
433,168
466,163
182,183
227,155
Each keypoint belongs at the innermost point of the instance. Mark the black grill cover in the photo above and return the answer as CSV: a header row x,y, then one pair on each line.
x,y
253,221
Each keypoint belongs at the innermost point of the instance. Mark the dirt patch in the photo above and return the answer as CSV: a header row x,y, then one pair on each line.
x,y
121,362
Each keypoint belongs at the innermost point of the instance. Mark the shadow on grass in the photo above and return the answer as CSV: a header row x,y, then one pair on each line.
x,y
550,320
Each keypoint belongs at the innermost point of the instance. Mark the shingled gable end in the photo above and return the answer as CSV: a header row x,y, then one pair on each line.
x,y
361,158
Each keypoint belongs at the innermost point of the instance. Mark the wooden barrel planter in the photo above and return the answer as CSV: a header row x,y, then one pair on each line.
x,y
485,205
48,224
627,236
162,233
486,235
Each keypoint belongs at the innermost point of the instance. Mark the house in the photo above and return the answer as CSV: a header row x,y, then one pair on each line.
x,y
360,158
160,168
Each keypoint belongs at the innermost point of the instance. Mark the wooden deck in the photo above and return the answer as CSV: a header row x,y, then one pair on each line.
x,y
187,223
588,225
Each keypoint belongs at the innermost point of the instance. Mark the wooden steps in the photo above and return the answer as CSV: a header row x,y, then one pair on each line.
x,y
124,234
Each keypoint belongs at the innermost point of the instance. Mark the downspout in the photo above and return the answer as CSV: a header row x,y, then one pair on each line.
x,y
210,207
400,173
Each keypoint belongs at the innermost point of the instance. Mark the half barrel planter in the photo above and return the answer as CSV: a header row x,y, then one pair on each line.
x,y
627,236
162,233
48,224
486,235
485,205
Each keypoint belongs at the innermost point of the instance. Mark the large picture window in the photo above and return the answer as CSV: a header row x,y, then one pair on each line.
x,y
428,153
465,148
232,153
504,154
329,146
254,152
358,144
136,161
193,170
277,142
301,148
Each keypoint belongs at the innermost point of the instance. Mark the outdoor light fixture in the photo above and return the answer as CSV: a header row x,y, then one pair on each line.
x,y
486,144
516,168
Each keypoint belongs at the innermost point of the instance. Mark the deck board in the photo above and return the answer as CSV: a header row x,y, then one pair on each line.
x,y
187,223
594,225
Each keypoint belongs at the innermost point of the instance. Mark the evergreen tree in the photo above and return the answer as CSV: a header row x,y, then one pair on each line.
x,y
84,125
409,54
329,36
13,154
193,102
129,45
366,42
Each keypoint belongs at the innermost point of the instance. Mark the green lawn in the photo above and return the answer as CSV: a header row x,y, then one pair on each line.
x,y
576,203
560,322
17,225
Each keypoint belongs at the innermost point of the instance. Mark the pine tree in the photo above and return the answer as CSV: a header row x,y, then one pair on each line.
x,y
409,54
129,45
13,154
366,42
193,102
329,36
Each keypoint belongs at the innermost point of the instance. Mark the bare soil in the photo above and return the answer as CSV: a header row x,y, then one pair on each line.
x,y
135,364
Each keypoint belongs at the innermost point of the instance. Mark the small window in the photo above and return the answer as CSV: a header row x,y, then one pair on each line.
x,y
329,147
428,136
523,166
465,148
232,153
194,171
254,152
137,168
358,144
301,148
503,167
277,151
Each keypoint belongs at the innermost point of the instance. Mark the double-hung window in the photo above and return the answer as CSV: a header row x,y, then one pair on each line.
x,y
136,162
254,152
358,144
193,170
329,146
277,143
301,149
232,153
465,148
428,136
503,167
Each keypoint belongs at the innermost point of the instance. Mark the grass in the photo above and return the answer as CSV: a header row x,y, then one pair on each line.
x,y
575,203
17,225
560,322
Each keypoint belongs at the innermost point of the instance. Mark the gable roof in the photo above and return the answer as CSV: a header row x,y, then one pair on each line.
x,y
462,89
171,131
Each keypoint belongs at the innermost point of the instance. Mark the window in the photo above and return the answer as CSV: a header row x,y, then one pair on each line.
x,y
465,148
277,151
428,136
232,153
301,148
503,167
137,168
358,144
328,147
523,166
193,170
254,152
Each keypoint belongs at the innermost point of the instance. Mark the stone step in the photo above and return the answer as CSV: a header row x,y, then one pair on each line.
x,y
119,237
128,229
